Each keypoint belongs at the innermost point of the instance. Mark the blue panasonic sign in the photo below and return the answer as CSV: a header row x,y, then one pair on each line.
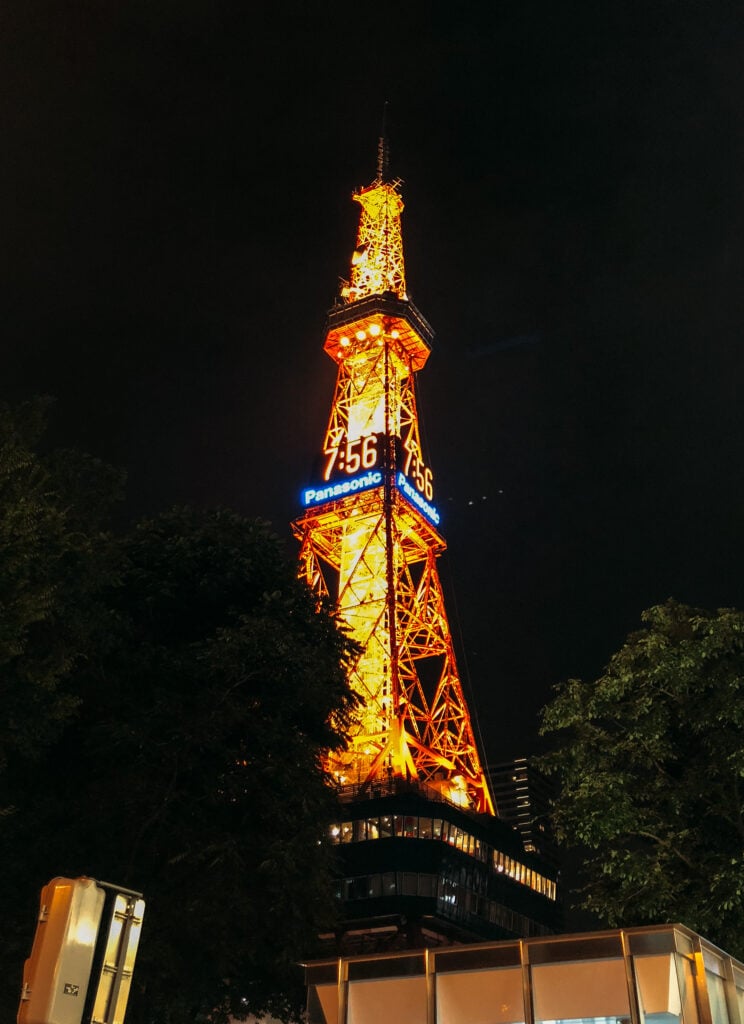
x,y
417,499
327,492
364,482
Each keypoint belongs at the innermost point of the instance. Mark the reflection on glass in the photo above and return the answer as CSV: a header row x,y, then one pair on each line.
x,y
664,988
717,997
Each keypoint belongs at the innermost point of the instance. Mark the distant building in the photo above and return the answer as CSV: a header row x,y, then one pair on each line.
x,y
523,796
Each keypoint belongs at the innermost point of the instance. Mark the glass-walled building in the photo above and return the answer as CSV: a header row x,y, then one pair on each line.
x,y
417,871
664,974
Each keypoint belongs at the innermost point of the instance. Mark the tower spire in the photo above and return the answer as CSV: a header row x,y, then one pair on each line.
x,y
383,150
369,535
377,264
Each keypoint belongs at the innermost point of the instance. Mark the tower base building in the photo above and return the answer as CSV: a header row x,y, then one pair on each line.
x,y
417,871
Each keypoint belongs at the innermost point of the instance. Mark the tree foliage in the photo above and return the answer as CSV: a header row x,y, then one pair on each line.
x,y
188,687
650,759
55,556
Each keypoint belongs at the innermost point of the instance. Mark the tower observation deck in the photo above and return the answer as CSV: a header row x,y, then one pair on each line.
x,y
369,535
424,858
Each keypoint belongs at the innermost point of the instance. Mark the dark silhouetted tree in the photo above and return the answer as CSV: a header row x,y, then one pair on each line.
x,y
192,769
650,758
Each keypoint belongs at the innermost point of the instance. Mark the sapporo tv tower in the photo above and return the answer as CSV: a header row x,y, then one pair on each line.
x,y
369,540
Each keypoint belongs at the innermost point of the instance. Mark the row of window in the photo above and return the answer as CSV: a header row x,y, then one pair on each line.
x,y
454,900
412,827
522,874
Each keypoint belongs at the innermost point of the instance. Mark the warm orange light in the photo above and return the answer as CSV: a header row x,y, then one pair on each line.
x,y
377,265
374,552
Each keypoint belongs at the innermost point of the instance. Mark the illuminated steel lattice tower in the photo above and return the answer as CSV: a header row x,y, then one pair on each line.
x,y
369,535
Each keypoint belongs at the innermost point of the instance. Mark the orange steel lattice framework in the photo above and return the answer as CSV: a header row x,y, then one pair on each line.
x,y
368,535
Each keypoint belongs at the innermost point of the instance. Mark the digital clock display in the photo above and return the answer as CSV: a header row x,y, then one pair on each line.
x,y
417,499
415,469
352,456
350,464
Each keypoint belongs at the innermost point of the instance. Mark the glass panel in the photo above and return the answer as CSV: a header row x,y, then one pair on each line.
x,y
322,974
740,1002
683,943
738,990
593,990
427,885
686,980
717,997
386,827
425,829
436,828
346,832
503,954
375,885
647,943
447,892
360,831
592,947
410,884
373,829
361,891
658,988
322,1004
387,967
393,1000
480,997
398,825
713,962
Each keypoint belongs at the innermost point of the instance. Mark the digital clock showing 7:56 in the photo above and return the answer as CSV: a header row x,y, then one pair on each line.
x,y
357,455
353,456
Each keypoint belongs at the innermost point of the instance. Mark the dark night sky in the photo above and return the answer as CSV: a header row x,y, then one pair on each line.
x,y
175,181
